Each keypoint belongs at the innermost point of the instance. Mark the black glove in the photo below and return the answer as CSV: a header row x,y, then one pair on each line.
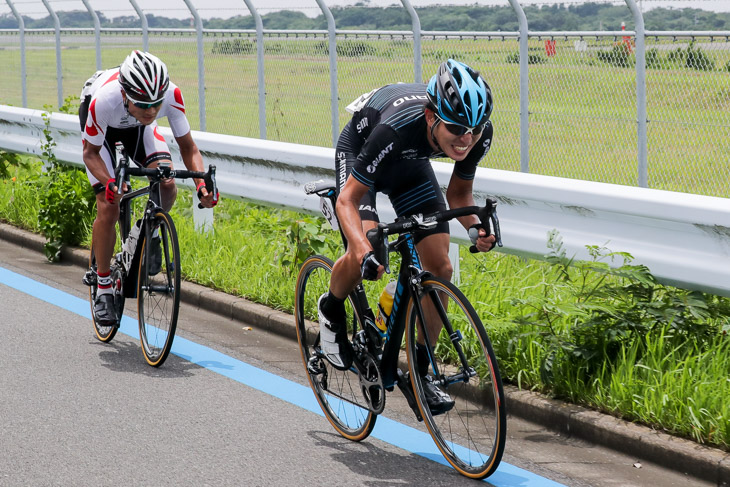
x,y
369,267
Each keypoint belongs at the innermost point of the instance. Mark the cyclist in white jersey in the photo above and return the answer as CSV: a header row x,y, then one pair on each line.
x,y
123,105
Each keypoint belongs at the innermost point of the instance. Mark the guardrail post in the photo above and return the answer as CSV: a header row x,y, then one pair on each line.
x,y
201,64
145,26
417,56
59,71
97,33
333,71
641,114
524,89
260,66
21,34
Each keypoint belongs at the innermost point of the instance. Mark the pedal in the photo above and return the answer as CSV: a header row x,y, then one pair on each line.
x,y
89,278
404,384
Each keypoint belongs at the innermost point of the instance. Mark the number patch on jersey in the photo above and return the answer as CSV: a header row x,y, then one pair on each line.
x,y
360,101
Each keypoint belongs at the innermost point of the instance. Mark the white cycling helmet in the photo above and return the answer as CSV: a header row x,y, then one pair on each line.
x,y
144,77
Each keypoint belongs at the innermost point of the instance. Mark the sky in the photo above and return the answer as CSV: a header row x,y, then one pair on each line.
x,y
230,8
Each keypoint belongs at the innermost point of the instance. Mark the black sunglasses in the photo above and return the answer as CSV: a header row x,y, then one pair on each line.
x,y
459,130
144,105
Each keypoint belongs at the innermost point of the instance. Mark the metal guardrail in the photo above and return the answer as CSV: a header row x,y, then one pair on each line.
x,y
683,238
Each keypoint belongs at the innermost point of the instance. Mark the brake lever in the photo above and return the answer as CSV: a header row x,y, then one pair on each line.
x,y
488,218
210,183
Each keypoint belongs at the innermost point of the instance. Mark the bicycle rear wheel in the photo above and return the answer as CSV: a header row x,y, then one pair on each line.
x,y
105,333
471,435
338,392
158,289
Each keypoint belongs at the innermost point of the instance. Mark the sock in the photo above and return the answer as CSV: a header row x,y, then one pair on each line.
x,y
334,308
104,283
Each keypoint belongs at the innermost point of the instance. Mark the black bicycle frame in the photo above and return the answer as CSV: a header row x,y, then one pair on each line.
x,y
125,226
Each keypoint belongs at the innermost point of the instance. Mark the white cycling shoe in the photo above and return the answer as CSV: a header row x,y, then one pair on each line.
x,y
333,340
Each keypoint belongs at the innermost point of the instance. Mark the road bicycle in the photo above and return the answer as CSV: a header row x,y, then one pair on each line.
x,y
471,435
147,266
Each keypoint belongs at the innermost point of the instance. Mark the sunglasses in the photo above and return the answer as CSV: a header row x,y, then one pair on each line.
x,y
144,105
459,130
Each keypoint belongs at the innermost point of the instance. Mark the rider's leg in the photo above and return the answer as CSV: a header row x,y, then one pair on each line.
x,y
346,271
434,253
103,233
168,188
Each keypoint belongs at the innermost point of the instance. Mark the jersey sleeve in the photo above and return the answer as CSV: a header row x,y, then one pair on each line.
x,y
379,149
97,122
176,111
467,168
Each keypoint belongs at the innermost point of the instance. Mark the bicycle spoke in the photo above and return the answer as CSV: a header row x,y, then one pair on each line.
x,y
338,392
159,291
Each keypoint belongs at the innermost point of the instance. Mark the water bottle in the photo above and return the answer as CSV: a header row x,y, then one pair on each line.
x,y
385,306
131,244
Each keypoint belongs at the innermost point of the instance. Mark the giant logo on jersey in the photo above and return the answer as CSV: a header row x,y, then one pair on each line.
x,y
374,165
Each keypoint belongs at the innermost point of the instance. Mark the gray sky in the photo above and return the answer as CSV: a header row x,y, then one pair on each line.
x,y
230,8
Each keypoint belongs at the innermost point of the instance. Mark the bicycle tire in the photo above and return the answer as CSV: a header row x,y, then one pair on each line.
x,y
158,294
471,435
105,333
338,392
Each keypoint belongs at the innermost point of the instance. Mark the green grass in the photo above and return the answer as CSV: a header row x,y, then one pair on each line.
x,y
582,110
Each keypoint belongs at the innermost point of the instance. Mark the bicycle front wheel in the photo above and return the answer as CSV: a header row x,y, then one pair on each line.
x,y
338,392
158,288
471,431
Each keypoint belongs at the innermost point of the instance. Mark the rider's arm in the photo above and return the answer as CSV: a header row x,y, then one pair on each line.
x,y
94,162
459,194
348,214
193,161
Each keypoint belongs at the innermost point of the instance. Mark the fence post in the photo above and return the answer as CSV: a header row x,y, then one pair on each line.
x,y
21,35
97,32
145,26
524,89
641,114
59,70
333,71
417,55
201,64
260,66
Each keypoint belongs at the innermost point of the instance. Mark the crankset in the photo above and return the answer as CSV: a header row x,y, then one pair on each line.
x,y
371,382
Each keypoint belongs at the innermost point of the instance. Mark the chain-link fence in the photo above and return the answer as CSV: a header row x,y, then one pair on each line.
x,y
582,120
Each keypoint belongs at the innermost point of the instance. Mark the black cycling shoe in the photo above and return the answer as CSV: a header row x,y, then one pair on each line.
x,y
333,341
104,312
155,256
438,401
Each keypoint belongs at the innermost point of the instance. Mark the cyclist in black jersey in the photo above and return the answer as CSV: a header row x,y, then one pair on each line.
x,y
386,148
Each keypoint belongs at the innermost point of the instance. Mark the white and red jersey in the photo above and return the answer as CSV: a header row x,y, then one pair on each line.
x,y
106,108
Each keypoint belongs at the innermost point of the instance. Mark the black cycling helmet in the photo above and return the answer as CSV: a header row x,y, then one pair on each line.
x,y
144,77
458,94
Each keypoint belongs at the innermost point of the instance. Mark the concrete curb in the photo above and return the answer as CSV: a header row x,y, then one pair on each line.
x,y
650,445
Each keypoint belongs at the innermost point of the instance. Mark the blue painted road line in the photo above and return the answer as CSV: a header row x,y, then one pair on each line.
x,y
388,430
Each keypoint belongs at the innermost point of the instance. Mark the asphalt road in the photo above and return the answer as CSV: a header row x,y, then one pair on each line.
x,y
230,407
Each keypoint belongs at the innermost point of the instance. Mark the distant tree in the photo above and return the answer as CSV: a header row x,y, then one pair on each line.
x,y
556,17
